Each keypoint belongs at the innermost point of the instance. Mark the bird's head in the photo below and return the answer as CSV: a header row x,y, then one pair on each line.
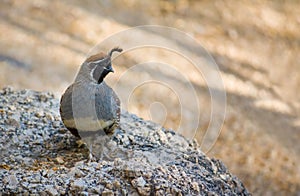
x,y
99,65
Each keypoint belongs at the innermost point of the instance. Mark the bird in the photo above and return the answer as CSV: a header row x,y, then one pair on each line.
x,y
89,108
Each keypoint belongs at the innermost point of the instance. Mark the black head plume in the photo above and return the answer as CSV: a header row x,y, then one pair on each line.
x,y
116,49
98,57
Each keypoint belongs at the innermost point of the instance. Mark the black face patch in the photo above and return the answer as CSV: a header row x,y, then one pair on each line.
x,y
97,72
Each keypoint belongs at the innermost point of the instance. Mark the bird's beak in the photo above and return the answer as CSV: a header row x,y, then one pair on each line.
x,y
110,69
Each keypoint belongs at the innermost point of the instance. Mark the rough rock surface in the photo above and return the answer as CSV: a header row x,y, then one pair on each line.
x,y
39,156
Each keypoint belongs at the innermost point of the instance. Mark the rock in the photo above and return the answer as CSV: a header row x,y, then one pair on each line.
x,y
11,181
79,184
39,156
51,190
138,182
60,160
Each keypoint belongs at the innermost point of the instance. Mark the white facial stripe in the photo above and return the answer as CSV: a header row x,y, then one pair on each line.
x,y
92,72
96,62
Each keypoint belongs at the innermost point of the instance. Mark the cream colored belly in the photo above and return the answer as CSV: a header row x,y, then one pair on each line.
x,y
87,124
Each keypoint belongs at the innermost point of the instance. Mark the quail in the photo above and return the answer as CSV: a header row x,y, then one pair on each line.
x,y
89,108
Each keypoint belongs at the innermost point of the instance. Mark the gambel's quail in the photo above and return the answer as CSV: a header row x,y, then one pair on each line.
x,y
89,108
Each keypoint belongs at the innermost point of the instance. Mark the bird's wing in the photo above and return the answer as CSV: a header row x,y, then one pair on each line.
x,y
66,104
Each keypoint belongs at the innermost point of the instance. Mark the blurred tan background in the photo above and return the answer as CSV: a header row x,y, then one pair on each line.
x,y
255,43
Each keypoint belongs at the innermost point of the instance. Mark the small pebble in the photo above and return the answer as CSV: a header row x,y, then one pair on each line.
x,y
117,184
195,186
51,190
60,160
79,183
11,181
138,182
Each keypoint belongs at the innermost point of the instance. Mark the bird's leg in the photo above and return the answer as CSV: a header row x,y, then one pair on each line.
x,y
101,152
90,153
92,157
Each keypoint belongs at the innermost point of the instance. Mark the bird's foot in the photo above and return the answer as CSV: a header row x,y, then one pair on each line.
x,y
80,143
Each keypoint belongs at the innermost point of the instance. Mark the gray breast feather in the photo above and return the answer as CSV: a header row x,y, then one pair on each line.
x,y
107,103
97,101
